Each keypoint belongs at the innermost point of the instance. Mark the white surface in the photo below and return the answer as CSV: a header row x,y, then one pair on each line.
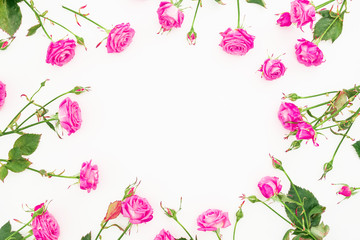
x,y
189,121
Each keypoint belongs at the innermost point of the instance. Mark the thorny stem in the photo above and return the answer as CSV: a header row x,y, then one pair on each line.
x,y
17,130
26,224
238,10
184,229
319,105
197,7
102,228
39,20
16,116
126,229
324,4
217,234
60,25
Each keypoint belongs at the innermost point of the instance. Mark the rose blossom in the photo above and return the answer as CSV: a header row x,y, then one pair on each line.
x,y
164,235
289,116
119,38
269,186
305,132
308,53
345,191
45,226
213,219
60,52
237,41
284,20
169,16
2,93
272,69
302,12
137,209
70,115
89,176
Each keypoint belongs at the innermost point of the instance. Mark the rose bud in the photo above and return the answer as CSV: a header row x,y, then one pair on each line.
x,y
306,132
345,191
284,20
119,38
237,41
191,37
113,211
212,220
269,186
60,52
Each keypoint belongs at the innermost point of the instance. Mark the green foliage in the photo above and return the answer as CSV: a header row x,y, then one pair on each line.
x,y
10,16
15,153
287,234
329,26
357,147
3,173
33,29
27,143
18,165
259,2
87,236
5,231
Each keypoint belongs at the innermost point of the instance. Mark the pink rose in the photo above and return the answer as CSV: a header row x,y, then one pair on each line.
x,y
272,69
60,52
213,219
269,186
289,116
305,132
137,209
119,38
70,116
302,12
164,235
345,191
237,41
2,93
284,20
191,37
308,53
89,176
45,226
169,16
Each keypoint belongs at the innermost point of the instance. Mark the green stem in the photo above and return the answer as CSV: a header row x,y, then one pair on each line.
x,y
81,15
293,214
238,11
184,229
126,229
276,213
38,18
197,7
16,116
324,4
218,234
319,105
343,4
102,228
317,95
17,130
235,229
338,146
60,25
9,237
327,127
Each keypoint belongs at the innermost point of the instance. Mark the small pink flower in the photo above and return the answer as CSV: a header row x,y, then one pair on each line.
x,y
137,209
306,132
237,41
119,38
89,176
60,52
45,226
284,20
213,219
169,16
308,53
2,93
345,191
289,116
164,235
70,116
269,186
191,37
302,12
272,69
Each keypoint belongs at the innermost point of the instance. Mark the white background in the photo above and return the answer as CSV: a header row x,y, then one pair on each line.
x,y
189,121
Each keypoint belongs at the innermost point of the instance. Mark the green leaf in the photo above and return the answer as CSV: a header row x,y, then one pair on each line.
x,y
357,147
310,203
330,25
287,234
33,29
5,231
3,173
10,16
27,143
18,165
181,239
259,2
87,236
15,153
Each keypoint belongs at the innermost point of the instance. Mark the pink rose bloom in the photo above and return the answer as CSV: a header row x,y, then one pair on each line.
x,y
345,191
137,209
45,226
169,16
2,93
213,219
60,52
289,116
269,186
119,38
237,41
284,20
308,53
305,132
70,116
164,235
272,69
302,13
89,176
